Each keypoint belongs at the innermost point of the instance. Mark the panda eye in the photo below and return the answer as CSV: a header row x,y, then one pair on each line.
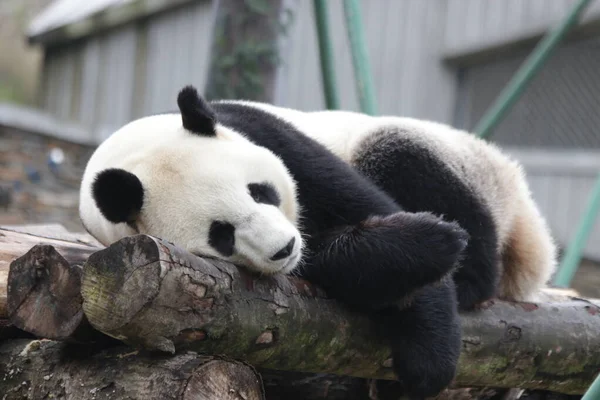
x,y
264,193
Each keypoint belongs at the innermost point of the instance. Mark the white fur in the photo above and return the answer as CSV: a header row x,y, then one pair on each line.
x,y
525,243
191,180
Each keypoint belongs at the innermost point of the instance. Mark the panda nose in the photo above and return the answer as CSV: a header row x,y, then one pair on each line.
x,y
286,251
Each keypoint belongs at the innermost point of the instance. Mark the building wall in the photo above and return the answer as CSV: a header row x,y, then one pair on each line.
x,y
408,42
473,25
136,69
404,46
131,71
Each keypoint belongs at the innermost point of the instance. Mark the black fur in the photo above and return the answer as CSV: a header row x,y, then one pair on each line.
x,y
196,114
264,193
119,195
424,357
420,181
403,252
365,251
221,236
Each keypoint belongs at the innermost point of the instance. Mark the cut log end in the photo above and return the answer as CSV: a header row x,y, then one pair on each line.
x,y
219,379
40,281
111,277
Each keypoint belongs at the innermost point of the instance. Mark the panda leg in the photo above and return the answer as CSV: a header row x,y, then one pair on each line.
x,y
425,340
384,259
419,179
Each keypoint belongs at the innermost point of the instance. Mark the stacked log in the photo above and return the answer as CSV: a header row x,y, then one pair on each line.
x,y
143,318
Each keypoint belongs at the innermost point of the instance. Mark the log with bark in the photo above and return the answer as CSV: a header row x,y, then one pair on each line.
x,y
151,294
42,290
43,369
268,320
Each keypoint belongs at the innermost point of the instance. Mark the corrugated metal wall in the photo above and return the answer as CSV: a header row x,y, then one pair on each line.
x,y
475,24
404,45
135,70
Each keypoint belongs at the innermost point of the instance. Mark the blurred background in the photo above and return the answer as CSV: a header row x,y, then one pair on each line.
x,y
73,71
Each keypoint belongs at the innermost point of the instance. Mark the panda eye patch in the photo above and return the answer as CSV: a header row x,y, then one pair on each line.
x,y
264,193
221,237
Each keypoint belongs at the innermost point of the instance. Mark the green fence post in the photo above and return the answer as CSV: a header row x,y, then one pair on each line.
x,y
572,256
326,54
360,59
593,393
513,90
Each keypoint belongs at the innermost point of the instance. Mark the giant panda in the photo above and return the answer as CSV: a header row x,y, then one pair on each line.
x,y
429,166
240,183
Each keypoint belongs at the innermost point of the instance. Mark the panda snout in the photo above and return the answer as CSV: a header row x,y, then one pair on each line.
x,y
284,252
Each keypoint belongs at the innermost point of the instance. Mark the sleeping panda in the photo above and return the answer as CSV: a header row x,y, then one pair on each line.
x,y
237,182
428,166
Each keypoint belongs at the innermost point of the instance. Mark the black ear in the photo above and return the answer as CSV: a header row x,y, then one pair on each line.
x,y
196,114
119,195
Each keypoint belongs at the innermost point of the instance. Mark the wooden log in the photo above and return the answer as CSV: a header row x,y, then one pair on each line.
x,y
18,240
149,293
47,369
44,294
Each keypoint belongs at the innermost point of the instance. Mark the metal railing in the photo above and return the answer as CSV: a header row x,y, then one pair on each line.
x,y
326,55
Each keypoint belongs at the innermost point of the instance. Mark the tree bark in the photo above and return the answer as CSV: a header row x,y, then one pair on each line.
x,y
149,293
245,49
47,369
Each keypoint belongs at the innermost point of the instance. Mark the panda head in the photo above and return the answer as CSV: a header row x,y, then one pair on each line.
x,y
189,180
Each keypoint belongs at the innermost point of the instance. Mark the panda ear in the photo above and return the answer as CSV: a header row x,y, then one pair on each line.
x,y
118,194
196,114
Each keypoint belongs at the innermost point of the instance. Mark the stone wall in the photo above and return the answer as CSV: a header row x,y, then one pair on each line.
x,y
39,178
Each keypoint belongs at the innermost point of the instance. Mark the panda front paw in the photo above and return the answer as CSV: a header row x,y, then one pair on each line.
x,y
439,244
447,241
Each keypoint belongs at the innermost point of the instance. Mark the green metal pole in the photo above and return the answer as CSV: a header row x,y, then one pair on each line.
x,y
360,58
593,393
513,90
572,256
326,55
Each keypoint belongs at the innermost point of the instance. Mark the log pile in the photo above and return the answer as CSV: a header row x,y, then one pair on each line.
x,y
144,319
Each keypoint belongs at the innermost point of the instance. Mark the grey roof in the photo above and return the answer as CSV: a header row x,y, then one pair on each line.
x,y
63,12
65,20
